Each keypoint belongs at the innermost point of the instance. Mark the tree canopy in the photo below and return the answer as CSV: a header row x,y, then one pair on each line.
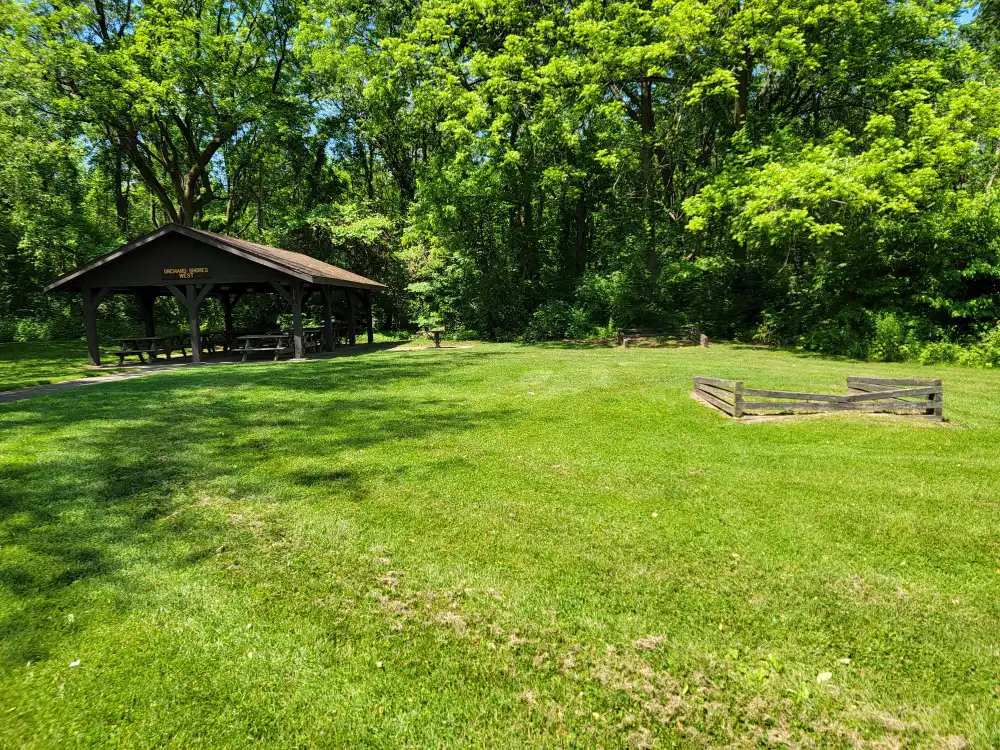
x,y
819,172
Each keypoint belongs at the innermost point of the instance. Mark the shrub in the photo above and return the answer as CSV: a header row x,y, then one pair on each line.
x,y
30,330
556,320
890,338
986,353
940,353
836,337
8,328
65,327
769,332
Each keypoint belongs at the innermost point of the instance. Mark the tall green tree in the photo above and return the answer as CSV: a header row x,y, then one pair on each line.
x,y
166,84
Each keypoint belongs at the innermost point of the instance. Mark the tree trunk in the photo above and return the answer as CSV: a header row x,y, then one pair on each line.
x,y
996,168
743,78
368,168
185,210
147,302
581,232
528,240
121,194
230,207
647,126
260,200
90,303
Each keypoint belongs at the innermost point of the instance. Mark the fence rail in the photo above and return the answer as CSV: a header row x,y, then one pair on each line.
x,y
690,335
915,397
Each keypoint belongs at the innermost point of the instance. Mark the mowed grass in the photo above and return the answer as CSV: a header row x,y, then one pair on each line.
x,y
24,365
500,546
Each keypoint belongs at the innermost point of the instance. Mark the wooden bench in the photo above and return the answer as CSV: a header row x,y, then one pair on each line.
x,y
690,335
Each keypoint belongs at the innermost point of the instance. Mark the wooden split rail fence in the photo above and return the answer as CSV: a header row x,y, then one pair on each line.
x,y
690,335
914,397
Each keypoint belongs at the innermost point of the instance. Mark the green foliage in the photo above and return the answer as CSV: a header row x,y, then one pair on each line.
x,y
985,352
940,353
889,340
556,320
787,172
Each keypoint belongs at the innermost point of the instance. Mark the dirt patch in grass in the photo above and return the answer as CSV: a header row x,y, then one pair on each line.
x,y
649,642
654,703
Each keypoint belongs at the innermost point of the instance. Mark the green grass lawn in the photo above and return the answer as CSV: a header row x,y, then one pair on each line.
x,y
500,546
23,365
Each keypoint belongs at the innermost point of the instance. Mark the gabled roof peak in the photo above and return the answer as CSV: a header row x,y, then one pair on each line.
x,y
297,265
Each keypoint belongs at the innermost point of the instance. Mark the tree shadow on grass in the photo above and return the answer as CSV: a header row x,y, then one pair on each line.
x,y
612,344
573,345
843,358
91,478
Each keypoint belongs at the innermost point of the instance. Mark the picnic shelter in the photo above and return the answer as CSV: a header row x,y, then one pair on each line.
x,y
191,265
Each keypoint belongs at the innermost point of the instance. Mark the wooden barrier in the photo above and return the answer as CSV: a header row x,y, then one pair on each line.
x,y
914,397
690,335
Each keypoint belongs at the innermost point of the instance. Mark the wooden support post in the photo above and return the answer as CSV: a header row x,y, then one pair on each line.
x,y
90,326
147,299
368,312
936,410
194,326
350,316
738,399
226,300
191,298
297,334
327,293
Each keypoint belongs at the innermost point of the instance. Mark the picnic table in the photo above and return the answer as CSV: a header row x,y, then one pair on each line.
x,y
315,338
212,340
342,333
312,339
148,346
433,333
279,343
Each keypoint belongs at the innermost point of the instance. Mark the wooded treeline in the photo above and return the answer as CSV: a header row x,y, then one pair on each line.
x,y
814,172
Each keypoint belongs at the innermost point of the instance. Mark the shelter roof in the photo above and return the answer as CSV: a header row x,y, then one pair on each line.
x,y
298,265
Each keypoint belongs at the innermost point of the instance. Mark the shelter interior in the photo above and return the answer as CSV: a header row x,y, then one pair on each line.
x,y
192,265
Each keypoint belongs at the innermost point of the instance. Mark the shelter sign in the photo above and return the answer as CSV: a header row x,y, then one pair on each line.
x,y
185,273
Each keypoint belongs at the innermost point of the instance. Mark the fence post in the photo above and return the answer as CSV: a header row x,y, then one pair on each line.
x,y
738,399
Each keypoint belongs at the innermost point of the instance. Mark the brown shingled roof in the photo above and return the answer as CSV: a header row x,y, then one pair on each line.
x,y
303,263
302,266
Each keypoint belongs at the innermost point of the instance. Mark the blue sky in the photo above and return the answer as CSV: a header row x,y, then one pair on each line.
x,y
969,14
